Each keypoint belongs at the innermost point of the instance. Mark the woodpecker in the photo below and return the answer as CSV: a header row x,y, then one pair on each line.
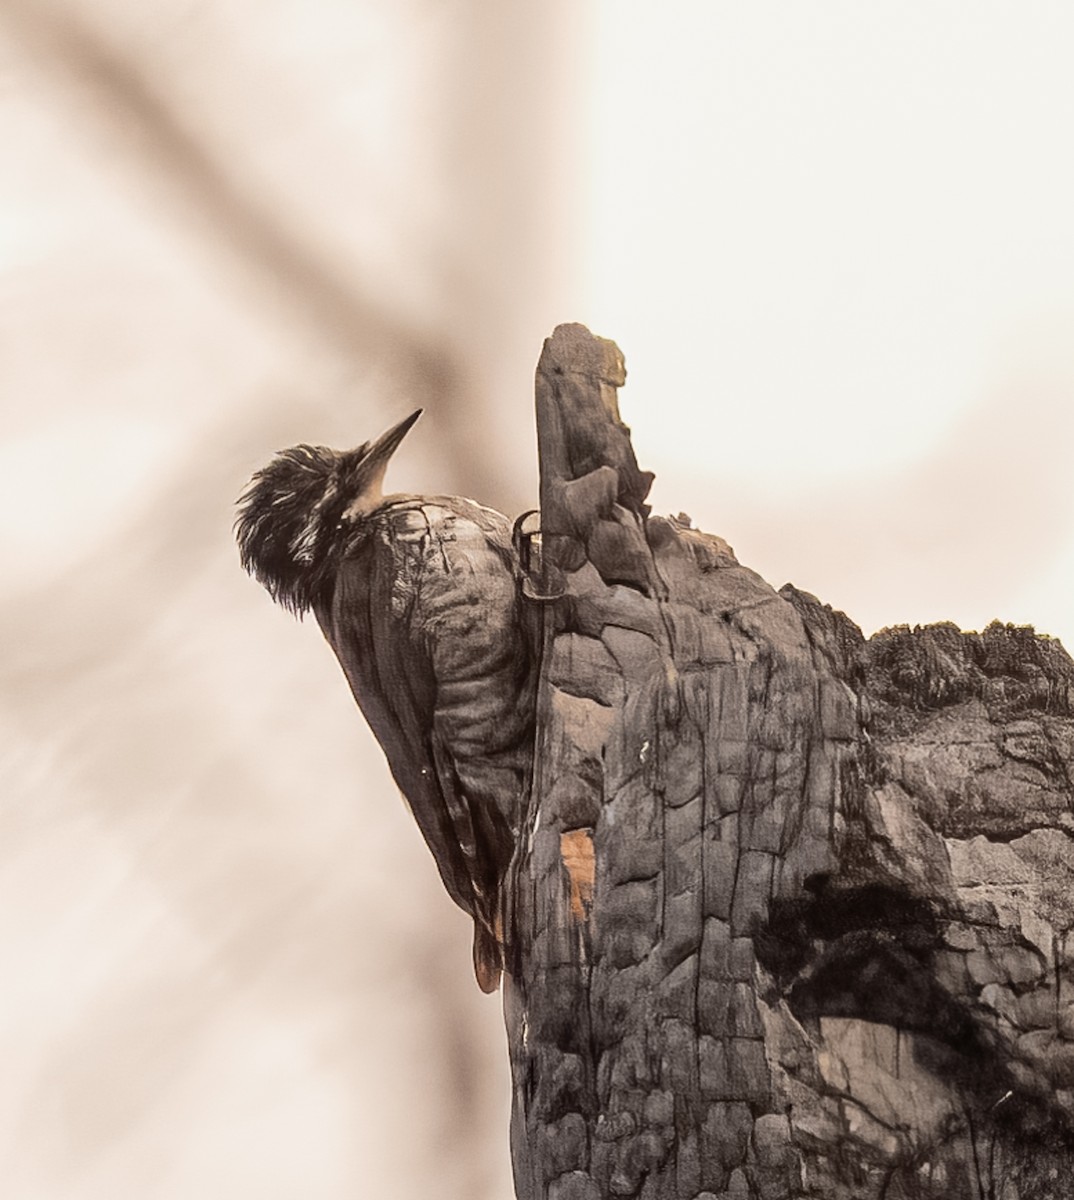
x,y
418,596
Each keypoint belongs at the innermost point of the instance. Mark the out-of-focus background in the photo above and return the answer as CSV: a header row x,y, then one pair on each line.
x,y
835,243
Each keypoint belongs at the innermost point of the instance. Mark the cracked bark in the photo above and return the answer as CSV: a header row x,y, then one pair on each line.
x,y
789,914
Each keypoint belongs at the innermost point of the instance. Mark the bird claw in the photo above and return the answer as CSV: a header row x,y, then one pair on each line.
x,y
541,581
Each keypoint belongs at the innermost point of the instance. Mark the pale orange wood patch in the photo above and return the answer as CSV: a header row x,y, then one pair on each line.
x,y
576,851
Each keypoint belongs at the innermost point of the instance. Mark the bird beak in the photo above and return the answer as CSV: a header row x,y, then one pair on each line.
x,y
368,480
387,444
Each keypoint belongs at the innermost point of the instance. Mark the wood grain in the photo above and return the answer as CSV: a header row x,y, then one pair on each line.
x,y
788,913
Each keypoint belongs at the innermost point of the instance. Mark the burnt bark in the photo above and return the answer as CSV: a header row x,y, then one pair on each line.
x,y
789,912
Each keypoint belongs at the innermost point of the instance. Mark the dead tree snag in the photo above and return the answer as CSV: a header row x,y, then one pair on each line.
x,y
788,914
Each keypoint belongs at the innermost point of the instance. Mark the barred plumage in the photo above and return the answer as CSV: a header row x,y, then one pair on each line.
x,y
419,599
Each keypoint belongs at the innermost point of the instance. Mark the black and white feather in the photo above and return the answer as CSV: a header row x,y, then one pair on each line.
x,y
419,599
290,524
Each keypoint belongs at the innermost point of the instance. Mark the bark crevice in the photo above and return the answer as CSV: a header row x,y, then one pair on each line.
x,y
789,914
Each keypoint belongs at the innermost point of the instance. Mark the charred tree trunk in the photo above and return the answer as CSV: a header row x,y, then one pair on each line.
x,y
789,914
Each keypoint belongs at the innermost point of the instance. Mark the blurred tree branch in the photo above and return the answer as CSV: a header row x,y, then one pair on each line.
x,y
345,314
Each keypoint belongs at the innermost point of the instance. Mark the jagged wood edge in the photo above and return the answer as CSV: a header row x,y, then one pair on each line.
x,y
593,514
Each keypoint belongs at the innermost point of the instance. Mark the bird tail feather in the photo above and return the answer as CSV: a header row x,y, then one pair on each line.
x,y
488,958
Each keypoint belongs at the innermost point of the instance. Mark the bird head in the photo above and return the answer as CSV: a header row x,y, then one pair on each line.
x,y
296,513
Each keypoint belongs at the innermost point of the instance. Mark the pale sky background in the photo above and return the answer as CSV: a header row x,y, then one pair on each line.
x,y
835,244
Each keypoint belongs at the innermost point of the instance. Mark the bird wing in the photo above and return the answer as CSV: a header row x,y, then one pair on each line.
x,y
423,622
391,679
